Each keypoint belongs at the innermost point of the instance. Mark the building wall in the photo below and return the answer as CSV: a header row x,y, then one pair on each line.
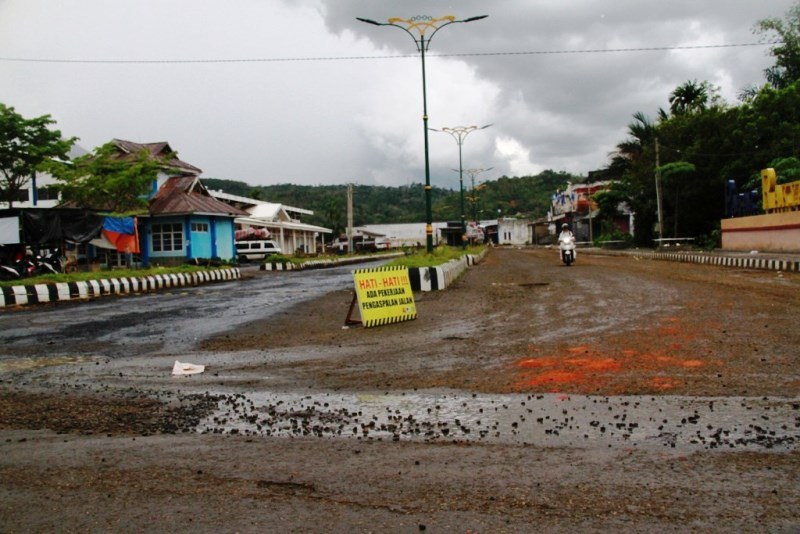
x,y
407,234
773,232
513,231
216,242
42,181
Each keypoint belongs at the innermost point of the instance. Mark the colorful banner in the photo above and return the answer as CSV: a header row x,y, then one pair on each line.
x,y
122,233
384,295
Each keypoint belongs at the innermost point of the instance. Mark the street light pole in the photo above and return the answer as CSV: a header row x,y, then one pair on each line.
x,y
473,173
459,133
420,24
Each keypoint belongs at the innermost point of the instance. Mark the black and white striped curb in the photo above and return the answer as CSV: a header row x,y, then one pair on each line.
x,y
421,278
731,261
740,262
441,276
321,264
63,291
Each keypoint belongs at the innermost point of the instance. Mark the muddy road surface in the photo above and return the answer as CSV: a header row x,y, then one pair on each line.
x,y
619,393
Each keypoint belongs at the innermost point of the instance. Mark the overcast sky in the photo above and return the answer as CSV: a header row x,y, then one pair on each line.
x,y
317,97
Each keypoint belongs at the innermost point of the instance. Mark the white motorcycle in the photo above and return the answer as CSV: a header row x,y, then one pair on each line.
x,y
567,246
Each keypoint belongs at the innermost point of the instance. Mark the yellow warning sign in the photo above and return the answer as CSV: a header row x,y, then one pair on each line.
x,y
384,295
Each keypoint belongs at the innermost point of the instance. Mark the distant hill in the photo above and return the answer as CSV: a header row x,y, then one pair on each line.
x,y
526,196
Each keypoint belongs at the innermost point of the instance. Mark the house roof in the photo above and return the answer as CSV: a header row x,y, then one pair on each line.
x,y
252,204
159,150
186,194
266,210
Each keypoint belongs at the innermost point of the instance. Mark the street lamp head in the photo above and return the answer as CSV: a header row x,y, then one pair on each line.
x,y
421,24
369,21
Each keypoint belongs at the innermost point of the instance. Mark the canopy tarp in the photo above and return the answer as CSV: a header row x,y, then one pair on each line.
x,y
43,226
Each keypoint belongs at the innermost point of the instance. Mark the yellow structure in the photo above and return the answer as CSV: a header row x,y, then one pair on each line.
x,y
776,197
777,230
384,295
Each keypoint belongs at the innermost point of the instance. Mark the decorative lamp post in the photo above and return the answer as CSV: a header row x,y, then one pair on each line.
x,y
473,173
421,24
459,133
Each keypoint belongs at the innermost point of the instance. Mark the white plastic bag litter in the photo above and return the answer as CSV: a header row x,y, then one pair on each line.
x,y
182,369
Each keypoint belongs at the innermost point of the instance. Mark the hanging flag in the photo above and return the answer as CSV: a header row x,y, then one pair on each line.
x,y
123,233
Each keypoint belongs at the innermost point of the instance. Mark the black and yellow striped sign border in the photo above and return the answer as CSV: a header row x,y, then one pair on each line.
x,y
368,317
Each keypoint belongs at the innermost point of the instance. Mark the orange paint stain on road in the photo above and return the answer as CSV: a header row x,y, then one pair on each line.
x,y
655,364
596,364
555,377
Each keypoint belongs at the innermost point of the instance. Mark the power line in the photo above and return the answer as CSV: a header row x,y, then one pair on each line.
x,y
399,56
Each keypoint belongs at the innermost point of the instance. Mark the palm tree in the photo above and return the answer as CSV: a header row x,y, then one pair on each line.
x,y
641,133
689,97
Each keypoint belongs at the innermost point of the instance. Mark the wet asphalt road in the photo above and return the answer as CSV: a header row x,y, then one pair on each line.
x,y
172,320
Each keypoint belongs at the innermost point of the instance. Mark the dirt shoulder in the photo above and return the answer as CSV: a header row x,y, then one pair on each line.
x,y
520,322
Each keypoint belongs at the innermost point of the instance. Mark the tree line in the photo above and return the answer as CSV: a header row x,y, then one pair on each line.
x,y
699,143
527,196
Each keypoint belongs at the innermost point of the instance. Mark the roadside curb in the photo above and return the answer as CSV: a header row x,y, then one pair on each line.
x,y
441,276
741,262
321,264
421,278
65,291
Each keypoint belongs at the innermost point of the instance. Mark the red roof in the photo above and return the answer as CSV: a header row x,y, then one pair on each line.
x,y
157,151
186,194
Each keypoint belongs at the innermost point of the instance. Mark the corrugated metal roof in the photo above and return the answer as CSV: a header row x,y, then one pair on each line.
x,y
158,151
186,194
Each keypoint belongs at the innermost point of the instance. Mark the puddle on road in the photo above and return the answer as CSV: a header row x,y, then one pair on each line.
x,y
541,420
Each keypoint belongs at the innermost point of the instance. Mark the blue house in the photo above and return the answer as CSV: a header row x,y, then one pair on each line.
x,y
186,223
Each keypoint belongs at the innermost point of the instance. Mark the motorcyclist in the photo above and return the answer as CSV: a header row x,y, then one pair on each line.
x,y
566,236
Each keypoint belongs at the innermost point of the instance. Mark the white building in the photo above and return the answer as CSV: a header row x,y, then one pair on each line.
x,y
405,234
282,222
39,191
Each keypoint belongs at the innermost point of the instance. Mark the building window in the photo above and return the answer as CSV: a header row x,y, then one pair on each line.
x,y
167,237
200,227
20,195
47,193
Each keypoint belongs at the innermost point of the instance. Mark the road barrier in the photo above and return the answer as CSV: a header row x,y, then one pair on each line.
x,y
63,291
721,260
441,276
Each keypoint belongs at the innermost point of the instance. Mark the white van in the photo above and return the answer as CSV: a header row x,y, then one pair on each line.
x,y
256,249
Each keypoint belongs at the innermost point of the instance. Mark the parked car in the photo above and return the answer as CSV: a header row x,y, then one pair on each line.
x,y
256,249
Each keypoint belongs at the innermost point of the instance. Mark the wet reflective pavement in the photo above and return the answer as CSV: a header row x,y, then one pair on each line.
x,y
553,420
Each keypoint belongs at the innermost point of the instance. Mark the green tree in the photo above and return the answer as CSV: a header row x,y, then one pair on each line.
x,y
633,163
675,176
787,51
608,203
104,180
25,146
692,97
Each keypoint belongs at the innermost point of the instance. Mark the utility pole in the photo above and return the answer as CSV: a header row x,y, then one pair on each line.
x,y
349,218
658,196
